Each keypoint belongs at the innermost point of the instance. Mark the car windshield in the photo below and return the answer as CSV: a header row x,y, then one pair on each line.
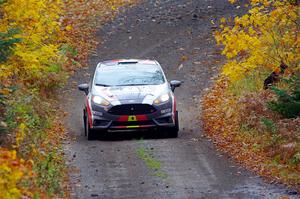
x,y
129,75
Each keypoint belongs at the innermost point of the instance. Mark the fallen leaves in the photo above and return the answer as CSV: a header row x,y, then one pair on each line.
x,y
82,20
235,114
235,127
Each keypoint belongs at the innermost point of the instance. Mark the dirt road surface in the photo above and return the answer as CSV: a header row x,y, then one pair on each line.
x,y
177,33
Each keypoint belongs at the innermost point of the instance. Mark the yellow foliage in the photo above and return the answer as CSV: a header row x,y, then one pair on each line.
x,y
263,37
20,134
12,170
38,22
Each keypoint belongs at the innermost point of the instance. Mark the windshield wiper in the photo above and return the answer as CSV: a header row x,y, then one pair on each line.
x,y
104,85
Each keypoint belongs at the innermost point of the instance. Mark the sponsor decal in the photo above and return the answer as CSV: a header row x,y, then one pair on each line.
x,y
132,126
133,118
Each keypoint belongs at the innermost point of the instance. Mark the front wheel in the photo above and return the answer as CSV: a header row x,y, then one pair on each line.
x,y
173,132
90,133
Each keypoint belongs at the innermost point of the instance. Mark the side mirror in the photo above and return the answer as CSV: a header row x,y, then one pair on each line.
x,y
84,87
174,84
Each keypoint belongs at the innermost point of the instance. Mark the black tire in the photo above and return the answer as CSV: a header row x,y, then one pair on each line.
x,y
90,133
173,131
84,123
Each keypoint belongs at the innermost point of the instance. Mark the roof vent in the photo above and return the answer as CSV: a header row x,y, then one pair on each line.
x,y
128,62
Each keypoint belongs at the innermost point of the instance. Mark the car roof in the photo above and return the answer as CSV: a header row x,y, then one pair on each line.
x,y
128,62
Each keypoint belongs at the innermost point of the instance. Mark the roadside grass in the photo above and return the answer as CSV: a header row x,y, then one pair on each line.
x,y
151,162
251,83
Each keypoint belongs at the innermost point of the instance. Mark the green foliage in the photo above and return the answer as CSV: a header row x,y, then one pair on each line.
x,y
288,100
269,124
67,49
22,107
34,113
250,83
49,172
7,41
296,158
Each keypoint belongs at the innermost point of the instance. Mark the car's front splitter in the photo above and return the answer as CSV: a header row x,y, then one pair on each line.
x,y
133,122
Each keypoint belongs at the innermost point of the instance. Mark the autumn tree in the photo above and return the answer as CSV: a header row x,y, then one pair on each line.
x,y
262,39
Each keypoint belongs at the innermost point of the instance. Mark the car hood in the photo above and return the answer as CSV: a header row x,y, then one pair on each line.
x,y
131,94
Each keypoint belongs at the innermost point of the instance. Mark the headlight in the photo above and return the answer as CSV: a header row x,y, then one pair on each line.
x,y
163,98
100,101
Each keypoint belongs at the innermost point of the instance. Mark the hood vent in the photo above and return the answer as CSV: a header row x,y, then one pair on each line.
x,y
128,62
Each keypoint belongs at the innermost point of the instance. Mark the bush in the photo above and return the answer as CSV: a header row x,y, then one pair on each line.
x,y
288,100
12,172
7,42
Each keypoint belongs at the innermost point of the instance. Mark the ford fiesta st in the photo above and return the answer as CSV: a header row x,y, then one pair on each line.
x,y
129,95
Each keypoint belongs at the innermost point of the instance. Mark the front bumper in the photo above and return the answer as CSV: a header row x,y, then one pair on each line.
x,y
162,117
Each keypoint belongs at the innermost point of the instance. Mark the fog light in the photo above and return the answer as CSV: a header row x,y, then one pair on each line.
x,y
168,110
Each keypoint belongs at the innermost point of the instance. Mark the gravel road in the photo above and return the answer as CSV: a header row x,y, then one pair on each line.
x,y
177,33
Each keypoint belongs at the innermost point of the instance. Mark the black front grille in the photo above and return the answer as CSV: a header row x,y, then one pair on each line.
x,y
100,122
165,119
132,109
